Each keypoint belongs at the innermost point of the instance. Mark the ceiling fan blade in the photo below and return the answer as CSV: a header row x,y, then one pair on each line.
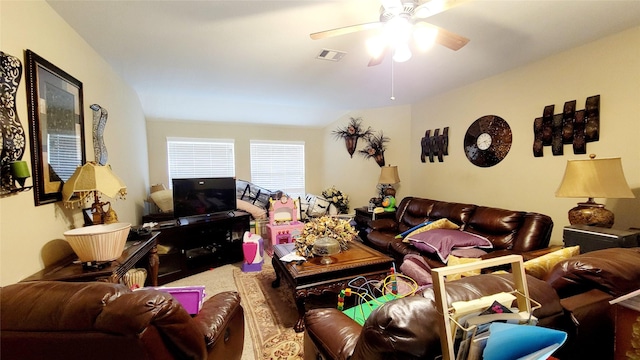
x,y
345,30
378,60
448,39
433,7
451,40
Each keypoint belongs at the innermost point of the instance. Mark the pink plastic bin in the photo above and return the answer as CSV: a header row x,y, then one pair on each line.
x,y
190,297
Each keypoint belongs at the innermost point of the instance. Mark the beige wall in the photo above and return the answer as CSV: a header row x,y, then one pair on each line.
x,y
609,67
327,160
158,131
357,176
30,236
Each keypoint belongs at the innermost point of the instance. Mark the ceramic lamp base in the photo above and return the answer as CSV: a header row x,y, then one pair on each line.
x,y
591,213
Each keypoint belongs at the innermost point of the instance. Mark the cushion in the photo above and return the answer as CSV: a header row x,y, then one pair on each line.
x,y
539,267
255,211
442,241
468,253
454,260
443,223
415,267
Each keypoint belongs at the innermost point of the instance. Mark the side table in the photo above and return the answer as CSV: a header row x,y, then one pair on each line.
x,y
69,269
363,216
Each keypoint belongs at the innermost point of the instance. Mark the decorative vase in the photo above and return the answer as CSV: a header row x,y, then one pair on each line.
x,y
351,141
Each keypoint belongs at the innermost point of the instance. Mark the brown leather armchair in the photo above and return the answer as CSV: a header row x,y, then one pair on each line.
x,y
510,232
64,320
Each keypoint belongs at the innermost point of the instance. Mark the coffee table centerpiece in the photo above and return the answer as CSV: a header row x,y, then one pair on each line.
x,y
322,228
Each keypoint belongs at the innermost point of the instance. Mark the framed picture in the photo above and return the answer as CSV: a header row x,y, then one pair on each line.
x,y
56,126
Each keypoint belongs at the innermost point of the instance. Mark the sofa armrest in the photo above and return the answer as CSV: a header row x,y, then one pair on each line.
x,y
384,225
333,333
218,319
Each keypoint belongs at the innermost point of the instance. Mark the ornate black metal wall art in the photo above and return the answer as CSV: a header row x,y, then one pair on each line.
x,y
572,126
100,116
436,145
13,136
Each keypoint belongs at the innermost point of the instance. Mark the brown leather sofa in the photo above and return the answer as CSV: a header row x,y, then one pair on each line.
x,y
407,328
510,232
63,320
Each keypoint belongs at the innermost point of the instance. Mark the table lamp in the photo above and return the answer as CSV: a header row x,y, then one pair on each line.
x,y
93,179
388,177
593,178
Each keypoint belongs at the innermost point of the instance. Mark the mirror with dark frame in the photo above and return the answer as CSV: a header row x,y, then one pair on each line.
x,y
56,127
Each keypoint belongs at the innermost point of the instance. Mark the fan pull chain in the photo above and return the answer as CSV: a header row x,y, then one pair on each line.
x,y
393,97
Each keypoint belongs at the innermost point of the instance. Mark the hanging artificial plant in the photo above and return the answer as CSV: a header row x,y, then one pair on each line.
x,y
375,148
351,133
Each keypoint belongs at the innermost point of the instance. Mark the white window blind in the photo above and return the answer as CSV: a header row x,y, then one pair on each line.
x,y
63,154
278,165
193,158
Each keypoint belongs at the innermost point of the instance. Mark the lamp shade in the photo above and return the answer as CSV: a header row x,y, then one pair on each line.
x,y
92,177
594,178
389,175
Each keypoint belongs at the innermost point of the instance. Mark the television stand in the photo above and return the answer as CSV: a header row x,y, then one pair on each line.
x,y
197,243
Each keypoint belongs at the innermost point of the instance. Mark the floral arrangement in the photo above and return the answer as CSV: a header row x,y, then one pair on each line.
x,y
337,198
351,133
324,226
375,148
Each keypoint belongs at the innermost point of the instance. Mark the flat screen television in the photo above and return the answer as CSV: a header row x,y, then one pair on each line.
x,y
203,196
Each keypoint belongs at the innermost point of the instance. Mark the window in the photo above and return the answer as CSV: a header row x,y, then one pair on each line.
x,y
192,158
278,165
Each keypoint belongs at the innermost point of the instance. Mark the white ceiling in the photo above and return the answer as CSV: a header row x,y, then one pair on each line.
x,y
254,62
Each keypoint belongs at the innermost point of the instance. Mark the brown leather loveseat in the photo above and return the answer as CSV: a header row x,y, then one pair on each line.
x,y
510,232
62,320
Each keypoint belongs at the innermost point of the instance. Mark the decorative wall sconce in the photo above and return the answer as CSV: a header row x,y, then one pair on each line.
x,y
577,127
375,148
436,145
351,133
18,173
11,131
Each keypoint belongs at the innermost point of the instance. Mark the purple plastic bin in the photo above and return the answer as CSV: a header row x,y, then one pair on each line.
x,y
190,297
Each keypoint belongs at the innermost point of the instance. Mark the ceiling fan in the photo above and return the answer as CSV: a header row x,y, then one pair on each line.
x,y
400,20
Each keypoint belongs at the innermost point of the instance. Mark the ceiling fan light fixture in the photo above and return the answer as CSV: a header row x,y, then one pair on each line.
x,y
424,36
398,29
375,46
402,53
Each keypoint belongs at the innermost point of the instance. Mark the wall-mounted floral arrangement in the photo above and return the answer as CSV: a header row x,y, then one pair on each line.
x,y
375,148
351,133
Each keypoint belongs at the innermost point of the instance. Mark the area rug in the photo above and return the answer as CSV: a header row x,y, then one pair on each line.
x,y
270,314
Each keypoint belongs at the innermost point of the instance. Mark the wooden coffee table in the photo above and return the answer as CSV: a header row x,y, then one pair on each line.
x,y
312,278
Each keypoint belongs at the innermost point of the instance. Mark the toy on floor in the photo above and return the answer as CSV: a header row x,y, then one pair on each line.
x,y
253,250
366,290
283,226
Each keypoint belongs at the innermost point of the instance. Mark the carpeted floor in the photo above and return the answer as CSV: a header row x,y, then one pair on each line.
x,y
269,313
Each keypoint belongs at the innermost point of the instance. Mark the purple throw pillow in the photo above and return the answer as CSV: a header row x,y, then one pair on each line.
x,y
442,241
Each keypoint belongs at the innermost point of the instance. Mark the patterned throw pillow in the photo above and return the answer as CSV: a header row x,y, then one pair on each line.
x,y
540,266
454,260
